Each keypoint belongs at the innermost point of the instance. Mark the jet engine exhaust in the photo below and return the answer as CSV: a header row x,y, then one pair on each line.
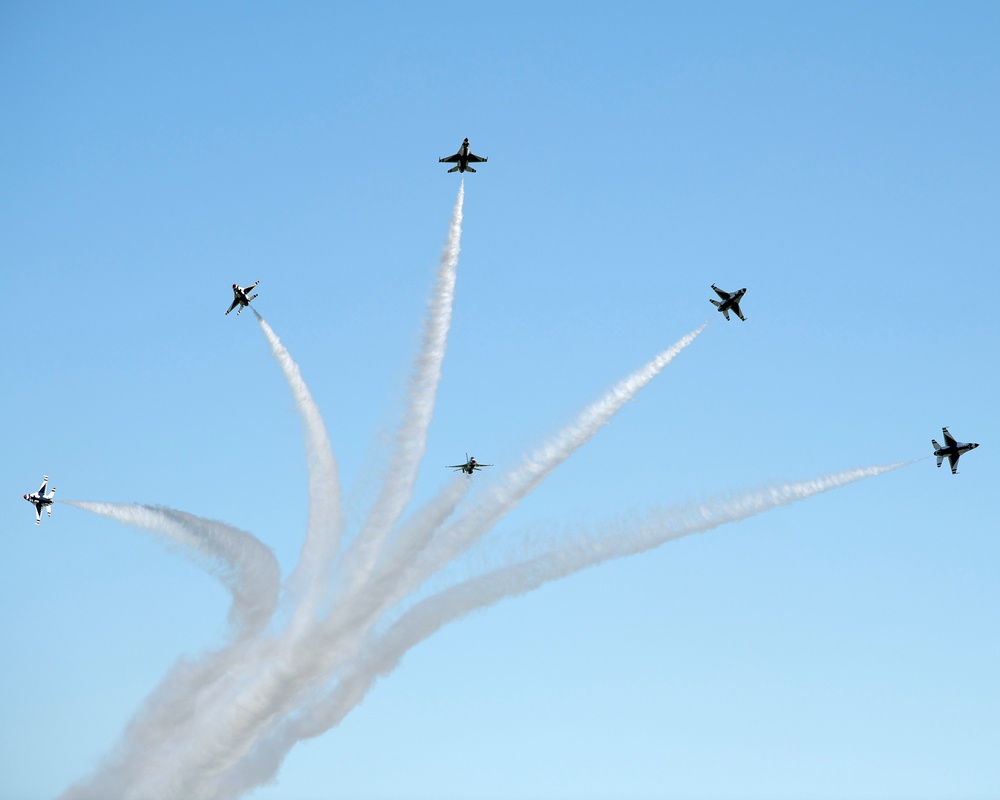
x,y
221,724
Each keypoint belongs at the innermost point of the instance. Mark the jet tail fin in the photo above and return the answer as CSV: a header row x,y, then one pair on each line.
x,y
453,169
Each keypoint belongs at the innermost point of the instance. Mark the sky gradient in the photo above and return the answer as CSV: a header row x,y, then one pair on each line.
x,y
839,161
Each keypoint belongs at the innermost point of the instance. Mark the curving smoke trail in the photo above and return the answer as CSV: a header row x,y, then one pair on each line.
x,y
411,439
614,539
326,519
244,564
250,572
310,647
504,497
422,549
221,725
415,557
318,651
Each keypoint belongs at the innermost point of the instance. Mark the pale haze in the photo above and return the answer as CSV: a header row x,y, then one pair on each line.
x,y
711,559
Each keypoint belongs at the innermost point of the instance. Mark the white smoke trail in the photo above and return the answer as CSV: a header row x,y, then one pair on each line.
x,y
303,661
326,521
314,652
406,563
307,654
411,439
340,635
503,498
153,772
616,539
245,565
289,674
222,724
397,576
250,572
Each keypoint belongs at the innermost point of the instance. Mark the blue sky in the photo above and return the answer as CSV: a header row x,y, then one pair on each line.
x,y
840,161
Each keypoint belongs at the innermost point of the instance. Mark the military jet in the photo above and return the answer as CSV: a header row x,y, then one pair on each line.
x,y
39,499
952,449
240,297
470,465
729,302
463,158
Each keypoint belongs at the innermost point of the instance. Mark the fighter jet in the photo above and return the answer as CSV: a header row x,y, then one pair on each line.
x,y
729,301
952,449
470,465
463,158
240,297
40,499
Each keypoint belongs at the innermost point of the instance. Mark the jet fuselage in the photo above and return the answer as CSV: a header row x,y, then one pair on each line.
x,y
956,449
952,450
242,297
463,158
41,500
728,302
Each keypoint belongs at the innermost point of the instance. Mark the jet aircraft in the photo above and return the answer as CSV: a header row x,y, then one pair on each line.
x,y
240,297
470,465
463,158
729,302
39,499
952,449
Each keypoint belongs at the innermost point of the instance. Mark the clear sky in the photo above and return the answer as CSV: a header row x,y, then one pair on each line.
x,y
838,160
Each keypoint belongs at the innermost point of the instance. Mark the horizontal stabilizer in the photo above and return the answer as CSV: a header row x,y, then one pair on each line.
x,y
936,445
715,303
469,169
453,169
940,459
